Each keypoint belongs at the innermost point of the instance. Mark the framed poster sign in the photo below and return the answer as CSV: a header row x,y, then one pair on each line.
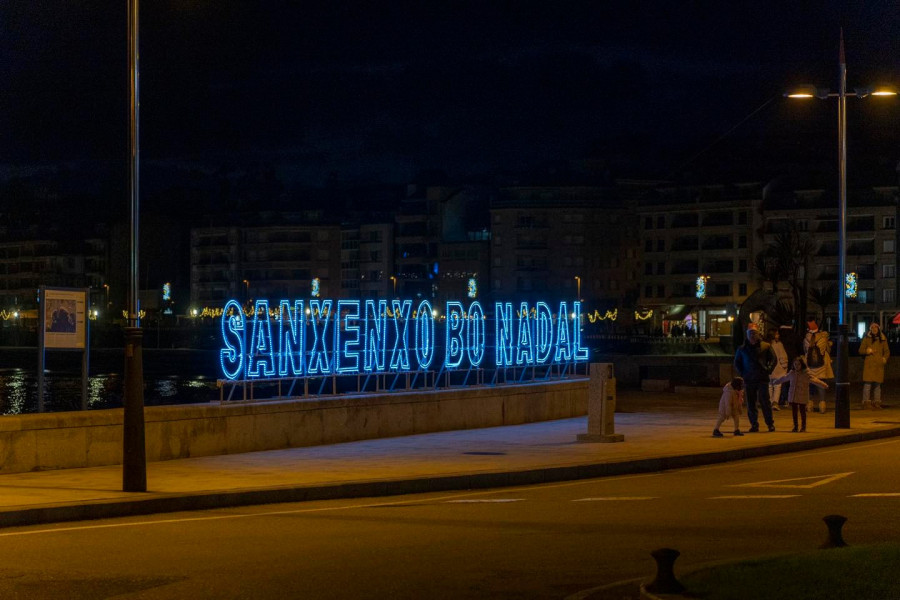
x,y
64,319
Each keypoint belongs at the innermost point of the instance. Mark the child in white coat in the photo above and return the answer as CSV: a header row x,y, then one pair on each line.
x,y
798,393
731,405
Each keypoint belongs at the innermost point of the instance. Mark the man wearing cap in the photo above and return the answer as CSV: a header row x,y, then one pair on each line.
x,y
754,361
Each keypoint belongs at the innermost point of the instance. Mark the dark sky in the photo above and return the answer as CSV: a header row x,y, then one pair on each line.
x,y
370,91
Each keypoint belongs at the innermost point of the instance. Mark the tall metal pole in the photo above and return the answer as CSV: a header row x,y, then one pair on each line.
x,y
842,385
134,459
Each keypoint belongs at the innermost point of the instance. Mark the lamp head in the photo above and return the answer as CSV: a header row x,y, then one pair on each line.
x,y
806,90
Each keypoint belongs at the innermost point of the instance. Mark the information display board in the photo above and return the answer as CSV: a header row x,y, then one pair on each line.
x,y
64,322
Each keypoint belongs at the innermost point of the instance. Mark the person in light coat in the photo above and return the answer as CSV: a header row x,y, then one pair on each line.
x,y
780,370
730,406
876,351
819,339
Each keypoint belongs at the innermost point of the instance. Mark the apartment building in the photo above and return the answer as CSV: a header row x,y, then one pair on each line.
x,y
702,237
871,248
273,261
556,242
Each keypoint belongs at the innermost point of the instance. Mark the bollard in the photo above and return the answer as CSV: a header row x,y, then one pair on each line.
x,y
665,582
601,406
835,538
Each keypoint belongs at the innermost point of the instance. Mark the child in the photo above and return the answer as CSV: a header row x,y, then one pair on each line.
x,y
798,393
730,405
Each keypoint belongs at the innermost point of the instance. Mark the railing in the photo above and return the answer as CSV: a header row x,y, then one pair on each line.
x,y
334,384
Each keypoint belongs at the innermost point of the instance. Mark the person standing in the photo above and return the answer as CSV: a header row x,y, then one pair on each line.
x,y
800,383
780,370
816,348
753,361
793,348
876,351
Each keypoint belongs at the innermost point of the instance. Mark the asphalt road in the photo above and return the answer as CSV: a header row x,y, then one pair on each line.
x,y
549,541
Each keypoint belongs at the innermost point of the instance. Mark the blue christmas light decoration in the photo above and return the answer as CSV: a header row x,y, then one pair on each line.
x,y
375,329
318,355
400,353
346,355
424,335
476,334
524,342
543,337
304,345
261,350
292,338
231,357
563,339
503,333
455,343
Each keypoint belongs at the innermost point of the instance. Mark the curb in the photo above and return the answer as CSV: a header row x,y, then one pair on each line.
x,y
165,503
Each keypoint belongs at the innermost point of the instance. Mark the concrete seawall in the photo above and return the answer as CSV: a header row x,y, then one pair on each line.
x,y
94,438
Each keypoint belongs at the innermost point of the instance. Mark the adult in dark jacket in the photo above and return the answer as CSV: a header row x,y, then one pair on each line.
x,y
754,360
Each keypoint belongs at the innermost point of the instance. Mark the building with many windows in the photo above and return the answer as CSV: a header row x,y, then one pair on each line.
x,y
871,243
272,261
556,242
697,248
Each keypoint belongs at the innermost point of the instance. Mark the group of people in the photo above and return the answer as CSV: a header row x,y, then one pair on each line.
x,y
788,370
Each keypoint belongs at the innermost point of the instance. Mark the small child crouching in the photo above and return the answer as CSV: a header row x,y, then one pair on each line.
x,y
731,405
798,394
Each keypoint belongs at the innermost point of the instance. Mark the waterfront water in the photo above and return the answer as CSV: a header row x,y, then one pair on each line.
x,y
170,377
18,391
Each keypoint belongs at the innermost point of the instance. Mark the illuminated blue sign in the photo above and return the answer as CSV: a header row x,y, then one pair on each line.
x,y
346,337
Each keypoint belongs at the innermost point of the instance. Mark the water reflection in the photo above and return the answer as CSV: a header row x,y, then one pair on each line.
x,y
62,391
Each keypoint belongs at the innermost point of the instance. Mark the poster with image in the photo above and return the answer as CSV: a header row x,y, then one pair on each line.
x,y
64,319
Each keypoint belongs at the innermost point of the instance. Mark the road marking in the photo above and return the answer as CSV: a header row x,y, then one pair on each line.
x,y
484,500
783,483
761,497
885,495
615,498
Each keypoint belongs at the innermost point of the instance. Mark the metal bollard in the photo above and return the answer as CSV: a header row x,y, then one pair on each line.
x,y
665,582
835,538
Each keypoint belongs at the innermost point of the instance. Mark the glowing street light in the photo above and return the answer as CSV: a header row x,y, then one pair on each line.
x,y
394,279
578,281
842,384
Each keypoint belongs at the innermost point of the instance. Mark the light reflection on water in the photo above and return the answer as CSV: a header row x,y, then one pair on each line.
x,y
62,391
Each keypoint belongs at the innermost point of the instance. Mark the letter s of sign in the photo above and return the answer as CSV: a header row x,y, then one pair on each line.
x,y
232,356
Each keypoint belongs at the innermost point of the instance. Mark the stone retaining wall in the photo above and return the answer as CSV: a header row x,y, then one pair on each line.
x,y
94,438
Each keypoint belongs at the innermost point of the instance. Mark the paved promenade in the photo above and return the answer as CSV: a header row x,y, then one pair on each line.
x,y
662,431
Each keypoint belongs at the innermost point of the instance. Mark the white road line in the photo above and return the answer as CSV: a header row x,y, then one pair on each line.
x,y
789,456
615,498
884,495
817,480
772,497
484,501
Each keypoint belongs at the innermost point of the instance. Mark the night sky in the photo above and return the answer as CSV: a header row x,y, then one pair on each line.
x,y
381,91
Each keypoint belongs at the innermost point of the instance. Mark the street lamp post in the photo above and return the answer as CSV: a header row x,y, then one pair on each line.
x,y
842,383
134,458
394,280
578,281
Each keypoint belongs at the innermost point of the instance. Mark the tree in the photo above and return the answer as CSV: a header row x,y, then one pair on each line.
x,y
788,258
824,296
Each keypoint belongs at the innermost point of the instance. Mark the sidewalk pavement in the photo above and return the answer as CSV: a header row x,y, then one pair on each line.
x,y
662,431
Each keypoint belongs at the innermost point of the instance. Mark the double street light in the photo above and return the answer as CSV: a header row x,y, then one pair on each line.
x,y
842,384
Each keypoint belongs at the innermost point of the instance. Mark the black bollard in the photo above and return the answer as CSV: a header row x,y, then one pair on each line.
x,y
835,539
665,582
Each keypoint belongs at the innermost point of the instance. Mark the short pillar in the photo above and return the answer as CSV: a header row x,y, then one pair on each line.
x,y
835,524
601,406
